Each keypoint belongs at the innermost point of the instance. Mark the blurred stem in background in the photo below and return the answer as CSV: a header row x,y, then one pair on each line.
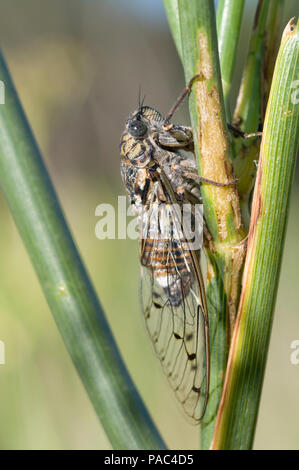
x,y
65,282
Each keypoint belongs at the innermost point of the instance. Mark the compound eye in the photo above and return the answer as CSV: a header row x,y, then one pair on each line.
x,y
137,128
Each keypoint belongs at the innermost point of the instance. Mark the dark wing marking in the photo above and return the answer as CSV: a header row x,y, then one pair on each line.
x,y
174,309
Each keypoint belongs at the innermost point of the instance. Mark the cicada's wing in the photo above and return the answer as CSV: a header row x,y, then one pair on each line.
x,y
174,310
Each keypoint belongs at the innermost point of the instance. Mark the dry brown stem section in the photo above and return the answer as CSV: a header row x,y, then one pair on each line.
x,y
213,144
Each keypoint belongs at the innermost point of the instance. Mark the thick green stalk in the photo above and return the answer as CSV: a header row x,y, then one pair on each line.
x,y
229,17
239,405
66,285
221,205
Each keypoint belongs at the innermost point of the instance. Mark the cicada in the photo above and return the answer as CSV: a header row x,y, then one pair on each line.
x,y
159,172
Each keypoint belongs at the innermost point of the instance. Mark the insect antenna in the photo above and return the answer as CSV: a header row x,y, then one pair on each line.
x,y
140,102
139,96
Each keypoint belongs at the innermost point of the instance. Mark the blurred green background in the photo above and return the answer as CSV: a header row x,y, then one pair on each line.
x,y
77,66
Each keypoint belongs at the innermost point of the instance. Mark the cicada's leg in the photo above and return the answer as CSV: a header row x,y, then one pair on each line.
x,y
191,191
207,235
239,133
201,179
184,93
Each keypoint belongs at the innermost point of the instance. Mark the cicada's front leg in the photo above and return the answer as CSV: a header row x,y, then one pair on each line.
x,y
238,133
177,137
201,179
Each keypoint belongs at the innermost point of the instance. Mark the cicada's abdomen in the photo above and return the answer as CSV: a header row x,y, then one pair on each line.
x,y
169,264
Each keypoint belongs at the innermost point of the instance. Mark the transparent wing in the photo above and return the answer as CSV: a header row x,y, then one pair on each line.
x,y
174,309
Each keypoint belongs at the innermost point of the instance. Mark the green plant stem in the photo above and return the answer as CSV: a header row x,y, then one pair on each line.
x,y
248,114
66,285
271,43
239,405
229,17
221,205
248,109
253,96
